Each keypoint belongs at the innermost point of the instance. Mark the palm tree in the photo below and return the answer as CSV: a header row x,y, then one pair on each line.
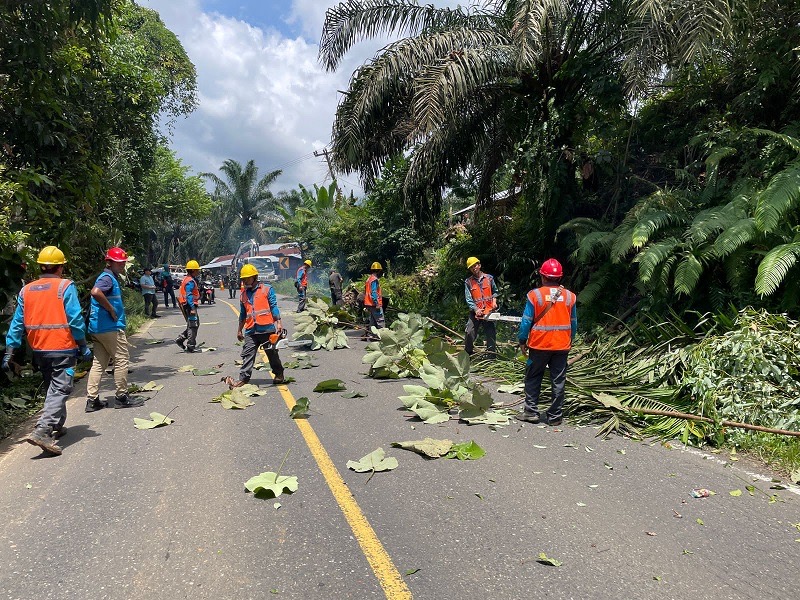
x,y
245,200
489,86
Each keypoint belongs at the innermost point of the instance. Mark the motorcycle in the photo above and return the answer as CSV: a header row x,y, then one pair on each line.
x,y
207,293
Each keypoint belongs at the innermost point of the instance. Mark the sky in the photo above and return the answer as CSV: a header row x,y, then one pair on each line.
x,y
262,92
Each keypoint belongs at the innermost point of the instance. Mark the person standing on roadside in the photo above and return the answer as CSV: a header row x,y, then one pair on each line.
x,y
149,293
481,295
259,325
168,286
107,328
335,282
546,332
373,300
233,284
49,312
301,284
189,298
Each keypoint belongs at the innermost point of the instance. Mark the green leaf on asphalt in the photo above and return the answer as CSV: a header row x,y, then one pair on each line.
x,y
735,493
687,552
490,418
700,522
234,399
514,388
300,408
153,342
374,461
186,369
546,560
156,420
411,571
251,390
330,385
204,372
355,394
271,485
466,451
751,489
428,447
152,386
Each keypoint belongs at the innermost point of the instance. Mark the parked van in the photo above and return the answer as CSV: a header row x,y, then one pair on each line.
x,y
265,265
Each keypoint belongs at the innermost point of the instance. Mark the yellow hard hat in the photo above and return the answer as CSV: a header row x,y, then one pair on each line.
x,y
307,262
248,271
192,265
50,255
472,261
376,266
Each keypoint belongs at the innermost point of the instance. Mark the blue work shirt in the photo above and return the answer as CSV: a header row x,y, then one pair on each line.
x,y
373,293
529,314
147,284
190,293
273,305
72,307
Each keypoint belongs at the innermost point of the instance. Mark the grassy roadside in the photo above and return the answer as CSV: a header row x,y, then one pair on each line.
x,y
24,397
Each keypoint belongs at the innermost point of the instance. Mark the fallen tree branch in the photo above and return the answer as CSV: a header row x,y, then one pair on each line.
x,y
690,417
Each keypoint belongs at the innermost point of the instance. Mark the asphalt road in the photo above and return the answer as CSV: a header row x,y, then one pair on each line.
x,y
163,513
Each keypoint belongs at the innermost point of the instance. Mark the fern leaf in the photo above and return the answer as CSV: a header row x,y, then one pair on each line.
x,y
780,196
652,257
736,236
687,274
790,141
775,266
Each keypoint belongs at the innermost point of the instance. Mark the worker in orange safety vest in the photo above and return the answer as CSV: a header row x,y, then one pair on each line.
x,y
546,331
373,301
480,293
49,312
188,300
259,326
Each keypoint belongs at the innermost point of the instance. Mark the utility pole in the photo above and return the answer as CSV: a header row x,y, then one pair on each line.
x,y
324,152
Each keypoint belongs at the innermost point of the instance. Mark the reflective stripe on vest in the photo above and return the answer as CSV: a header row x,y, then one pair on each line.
x,y
368,292
553,331
182,291
481,292
99,318
45,317
259,312
303,278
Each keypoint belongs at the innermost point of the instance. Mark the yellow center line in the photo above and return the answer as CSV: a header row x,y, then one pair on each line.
x,y
388,576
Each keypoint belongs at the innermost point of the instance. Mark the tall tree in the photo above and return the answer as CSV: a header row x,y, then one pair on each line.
x,y
245,199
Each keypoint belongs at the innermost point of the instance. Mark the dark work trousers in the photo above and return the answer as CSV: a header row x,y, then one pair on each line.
x,y
150,300
252,342
169,292
58,371
301,299
538,361
336,296
376,320
189,335
473,328
231,291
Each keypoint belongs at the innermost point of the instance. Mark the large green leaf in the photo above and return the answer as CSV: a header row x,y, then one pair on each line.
x,y
330,385
466,451
428,447
475,404
429,412
156,420
300,408
271,485
374,461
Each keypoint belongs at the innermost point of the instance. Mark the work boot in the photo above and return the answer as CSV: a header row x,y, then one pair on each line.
x,y
181,342
231,383
94,403
528,417
126,401
554,422
191,349
42,436
278,379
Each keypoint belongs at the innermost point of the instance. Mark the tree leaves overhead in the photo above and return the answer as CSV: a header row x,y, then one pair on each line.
x,y
271,485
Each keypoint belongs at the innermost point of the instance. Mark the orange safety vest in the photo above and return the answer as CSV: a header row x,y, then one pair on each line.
x,y
481,292
182,291
44,315
368,292
553,331
259,312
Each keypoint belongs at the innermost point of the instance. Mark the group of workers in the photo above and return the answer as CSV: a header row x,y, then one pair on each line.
x,y
49,312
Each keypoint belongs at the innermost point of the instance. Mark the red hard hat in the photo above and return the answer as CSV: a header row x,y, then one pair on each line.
x,y
116,254
551,268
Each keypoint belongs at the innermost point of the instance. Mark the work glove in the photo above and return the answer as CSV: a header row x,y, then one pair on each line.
x,y
84,352
7,362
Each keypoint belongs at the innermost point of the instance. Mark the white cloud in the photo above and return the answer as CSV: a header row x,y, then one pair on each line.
x,y
262,95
